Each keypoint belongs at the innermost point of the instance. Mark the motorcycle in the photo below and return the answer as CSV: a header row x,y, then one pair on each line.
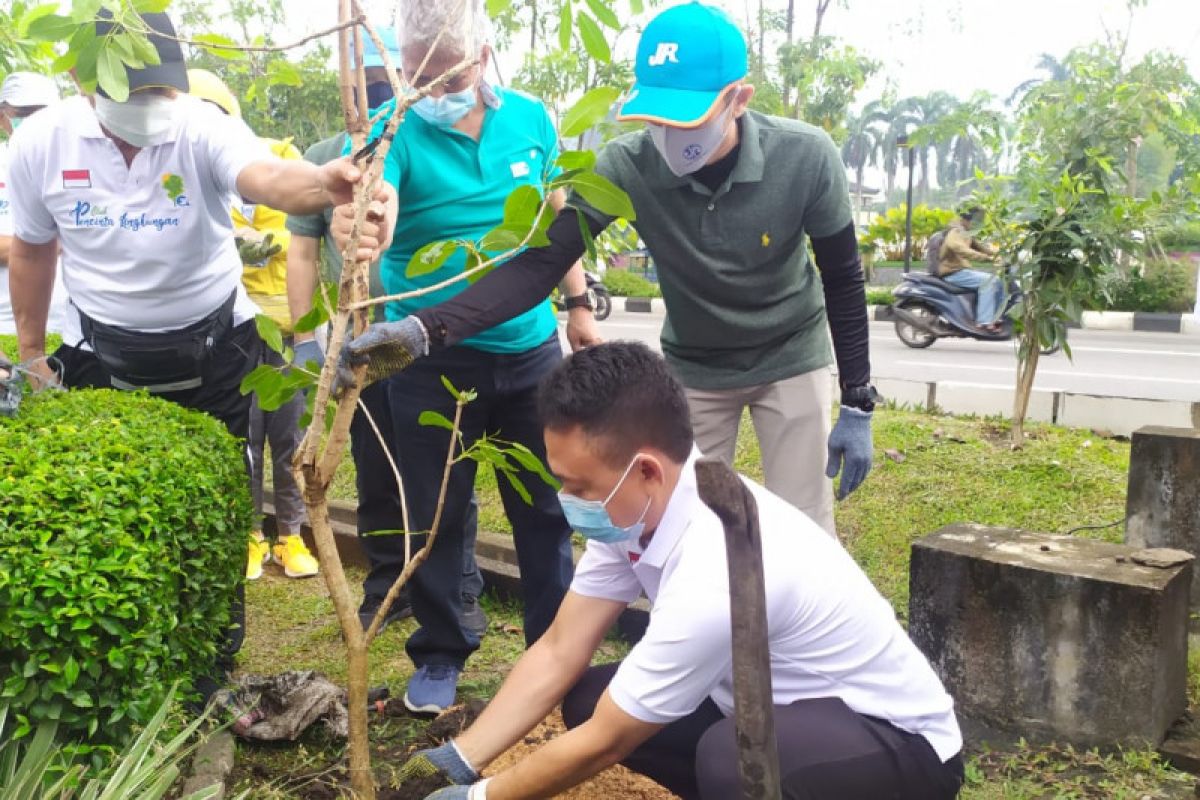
x,y
927,308
601,299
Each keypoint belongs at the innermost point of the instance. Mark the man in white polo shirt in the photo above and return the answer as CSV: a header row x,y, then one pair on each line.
x,y
22,94
138,194
859,712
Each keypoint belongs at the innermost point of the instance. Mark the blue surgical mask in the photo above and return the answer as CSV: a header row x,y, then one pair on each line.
x,y
16,122
590,517
444,111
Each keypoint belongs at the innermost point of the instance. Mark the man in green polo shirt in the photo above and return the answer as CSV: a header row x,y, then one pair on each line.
x,y
726,201
455,159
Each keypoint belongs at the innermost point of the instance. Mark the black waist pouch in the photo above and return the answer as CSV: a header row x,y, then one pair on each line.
x,y
169,361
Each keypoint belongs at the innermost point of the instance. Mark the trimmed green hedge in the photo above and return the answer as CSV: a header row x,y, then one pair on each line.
x,y
123,523
626,284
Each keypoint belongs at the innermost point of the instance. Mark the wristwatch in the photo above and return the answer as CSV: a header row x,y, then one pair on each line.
x,y
586,300
862,397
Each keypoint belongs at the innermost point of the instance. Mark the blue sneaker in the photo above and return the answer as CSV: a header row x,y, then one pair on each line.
x,y
431,689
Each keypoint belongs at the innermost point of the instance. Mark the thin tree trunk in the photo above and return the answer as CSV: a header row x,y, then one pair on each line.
x,y
790,34
1026,372
533,27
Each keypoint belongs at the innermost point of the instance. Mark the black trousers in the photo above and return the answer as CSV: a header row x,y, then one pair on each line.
x,y
219,396
506,407
826,752
379,501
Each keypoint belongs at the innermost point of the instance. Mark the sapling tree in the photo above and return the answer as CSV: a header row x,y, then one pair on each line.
x,y
1065,218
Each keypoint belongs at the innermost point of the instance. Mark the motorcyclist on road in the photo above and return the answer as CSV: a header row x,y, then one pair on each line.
x,y
959,249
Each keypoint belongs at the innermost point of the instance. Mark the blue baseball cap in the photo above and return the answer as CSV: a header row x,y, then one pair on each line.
x,y
371,56
688,56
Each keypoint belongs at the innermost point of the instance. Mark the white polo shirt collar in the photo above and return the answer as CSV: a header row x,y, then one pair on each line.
x,y
676,517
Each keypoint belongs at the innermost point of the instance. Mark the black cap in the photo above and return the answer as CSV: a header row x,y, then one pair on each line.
x,y
171,71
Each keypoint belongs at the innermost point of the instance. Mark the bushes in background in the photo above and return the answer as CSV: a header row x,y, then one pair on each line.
x,y
621,283
884,238
123,522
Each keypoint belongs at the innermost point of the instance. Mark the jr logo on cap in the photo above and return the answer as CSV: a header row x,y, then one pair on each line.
x,y
667,51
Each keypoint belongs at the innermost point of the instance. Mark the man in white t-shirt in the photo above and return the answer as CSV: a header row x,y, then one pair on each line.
x,y
138,194
21,95
859,712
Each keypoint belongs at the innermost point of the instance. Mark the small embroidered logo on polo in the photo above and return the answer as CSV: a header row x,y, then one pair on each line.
x,y
766,239
173,185
668,52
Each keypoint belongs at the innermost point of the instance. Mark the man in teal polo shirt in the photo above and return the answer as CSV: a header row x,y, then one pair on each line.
x,y
726,201
455,159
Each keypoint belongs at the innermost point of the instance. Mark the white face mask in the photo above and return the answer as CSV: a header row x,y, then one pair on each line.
x,y
142,121
688,149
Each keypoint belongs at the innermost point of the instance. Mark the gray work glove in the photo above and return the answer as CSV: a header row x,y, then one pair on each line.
x,y
255,251
444,761
386,348
850,450
306,351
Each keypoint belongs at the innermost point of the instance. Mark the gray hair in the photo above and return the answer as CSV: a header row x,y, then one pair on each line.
x,y
466,24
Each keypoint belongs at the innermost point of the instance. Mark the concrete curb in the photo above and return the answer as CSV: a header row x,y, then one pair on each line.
x,y
1118,416
211,765
1092,320
1101,321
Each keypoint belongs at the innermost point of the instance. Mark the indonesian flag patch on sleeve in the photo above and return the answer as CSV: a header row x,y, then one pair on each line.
x,y
77,178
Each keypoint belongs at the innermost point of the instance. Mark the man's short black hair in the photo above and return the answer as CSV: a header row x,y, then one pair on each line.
x,y
622,395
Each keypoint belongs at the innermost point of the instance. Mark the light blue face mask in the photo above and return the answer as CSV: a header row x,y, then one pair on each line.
x,y
590,517
444,111
16,122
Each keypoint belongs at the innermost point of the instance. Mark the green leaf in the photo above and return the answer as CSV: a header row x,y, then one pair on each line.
x,y
603,195
111,75
430,258
636,7
33,14
503,237
564,25
526,458
52,28
497,7
219,45
589,241
454,392
264,377
517,486
521,206
268,329
434,419
151,6
605,14
590,109
315,318
593,38
577,159
281,72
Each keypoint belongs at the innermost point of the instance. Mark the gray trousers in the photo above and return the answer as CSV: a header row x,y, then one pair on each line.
x,y
280,428
792,420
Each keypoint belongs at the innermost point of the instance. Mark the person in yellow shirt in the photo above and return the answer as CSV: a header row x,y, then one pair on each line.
x,y
262,242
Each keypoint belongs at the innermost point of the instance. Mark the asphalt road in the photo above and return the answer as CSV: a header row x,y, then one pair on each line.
x,y
1161,366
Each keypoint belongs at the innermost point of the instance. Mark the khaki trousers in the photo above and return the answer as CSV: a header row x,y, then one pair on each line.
x,y
791,419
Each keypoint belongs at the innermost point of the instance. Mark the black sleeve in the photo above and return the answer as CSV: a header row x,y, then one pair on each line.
x,y
514,288
846,305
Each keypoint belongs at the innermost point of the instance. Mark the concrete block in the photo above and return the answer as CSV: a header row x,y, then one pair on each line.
x,y
1121,415
1108,320
1162,506
1054,637
915,394
1157,322
984,400
211,765
640,304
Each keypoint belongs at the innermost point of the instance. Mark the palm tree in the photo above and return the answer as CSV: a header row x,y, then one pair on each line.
x,y
1055,70
924,112
863,142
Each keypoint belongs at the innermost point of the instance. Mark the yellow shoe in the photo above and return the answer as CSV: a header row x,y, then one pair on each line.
x,y
292,554
260,551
